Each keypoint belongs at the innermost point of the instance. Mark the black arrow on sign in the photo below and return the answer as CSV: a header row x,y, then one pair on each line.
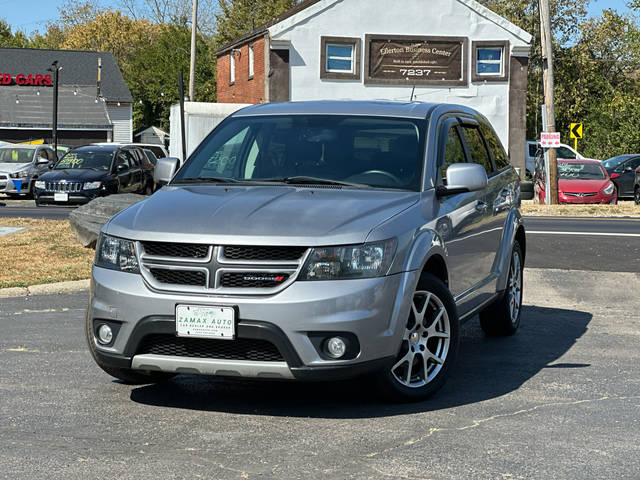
x,y
576,130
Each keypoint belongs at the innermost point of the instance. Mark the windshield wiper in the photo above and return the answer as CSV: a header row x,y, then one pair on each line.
x,y
304,180
205,180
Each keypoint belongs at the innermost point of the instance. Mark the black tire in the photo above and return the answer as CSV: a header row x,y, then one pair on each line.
x,y
423,382
126,375
636,195
502,317
32,190
148,189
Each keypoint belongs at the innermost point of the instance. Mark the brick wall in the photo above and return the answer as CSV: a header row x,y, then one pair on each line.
x,y
244,89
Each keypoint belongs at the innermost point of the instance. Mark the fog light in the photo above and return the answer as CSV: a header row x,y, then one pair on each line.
x,y
336,347
105,335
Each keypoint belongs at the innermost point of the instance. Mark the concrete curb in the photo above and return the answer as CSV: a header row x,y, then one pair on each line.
x,y
45,289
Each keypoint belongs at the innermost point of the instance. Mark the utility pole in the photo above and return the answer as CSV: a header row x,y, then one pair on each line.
x,y
547,76
192,66
55,69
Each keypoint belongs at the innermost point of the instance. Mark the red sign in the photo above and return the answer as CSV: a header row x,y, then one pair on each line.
x,y
550,139
26,80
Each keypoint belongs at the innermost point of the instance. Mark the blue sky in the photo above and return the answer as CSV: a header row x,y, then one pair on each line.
x,y
30,15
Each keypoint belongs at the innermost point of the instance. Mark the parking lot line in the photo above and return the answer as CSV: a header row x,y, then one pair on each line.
x,y
599,234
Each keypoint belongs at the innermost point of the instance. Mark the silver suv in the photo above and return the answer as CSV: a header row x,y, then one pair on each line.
x,y
315,240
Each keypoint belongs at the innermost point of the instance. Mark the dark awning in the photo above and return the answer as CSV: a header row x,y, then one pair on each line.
x,y
32,107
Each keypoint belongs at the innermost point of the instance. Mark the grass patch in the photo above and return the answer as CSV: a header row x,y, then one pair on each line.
x,y
46,252
623,209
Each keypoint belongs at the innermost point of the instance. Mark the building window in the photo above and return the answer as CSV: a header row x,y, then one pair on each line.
x,y
490,61
232,67
251,61
340,58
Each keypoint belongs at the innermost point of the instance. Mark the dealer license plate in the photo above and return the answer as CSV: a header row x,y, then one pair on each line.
x,y
205,322
60,197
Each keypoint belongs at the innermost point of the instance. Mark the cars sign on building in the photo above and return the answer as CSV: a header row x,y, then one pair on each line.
x,y
454,51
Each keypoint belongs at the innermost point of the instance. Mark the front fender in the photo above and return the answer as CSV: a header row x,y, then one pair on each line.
x,y
425,245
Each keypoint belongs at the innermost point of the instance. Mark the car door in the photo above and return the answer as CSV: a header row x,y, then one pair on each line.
x,y
493,205
137,173
459,222
123,171
627,172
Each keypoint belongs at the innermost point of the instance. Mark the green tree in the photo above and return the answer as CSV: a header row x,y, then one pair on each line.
x,y
154,74
238,17
10,39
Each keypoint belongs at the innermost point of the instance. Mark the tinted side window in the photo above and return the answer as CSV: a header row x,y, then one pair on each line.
x,y
500,159
633,163
477,149
453,153
532,149
564,152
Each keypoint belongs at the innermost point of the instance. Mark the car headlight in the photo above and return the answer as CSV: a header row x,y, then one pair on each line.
x,y
91,185
116,254
20,174
609,190
349,261
41,184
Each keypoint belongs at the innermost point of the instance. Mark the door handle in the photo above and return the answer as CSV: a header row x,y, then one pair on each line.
x,y
481,206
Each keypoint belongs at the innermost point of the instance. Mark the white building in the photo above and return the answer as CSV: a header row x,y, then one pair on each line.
x,y
453,51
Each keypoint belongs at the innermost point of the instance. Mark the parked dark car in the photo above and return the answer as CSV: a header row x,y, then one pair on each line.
x,y
87,172
622,169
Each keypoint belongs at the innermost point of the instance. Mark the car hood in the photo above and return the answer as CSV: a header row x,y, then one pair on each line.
x,y
259,215
582,186
73,175
13,167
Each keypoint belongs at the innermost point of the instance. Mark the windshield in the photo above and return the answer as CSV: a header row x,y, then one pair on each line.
x,y
580,171
88,159
614,161
311,149
16,155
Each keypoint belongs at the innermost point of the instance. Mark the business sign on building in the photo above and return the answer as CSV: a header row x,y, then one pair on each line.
x,y
24,79
415,60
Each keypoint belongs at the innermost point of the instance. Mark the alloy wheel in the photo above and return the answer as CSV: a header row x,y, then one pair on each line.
x,y
515,288
426,341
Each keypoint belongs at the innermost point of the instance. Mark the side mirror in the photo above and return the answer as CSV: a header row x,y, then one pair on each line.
x,y
464,177
41,161
122,168
628,169
165,170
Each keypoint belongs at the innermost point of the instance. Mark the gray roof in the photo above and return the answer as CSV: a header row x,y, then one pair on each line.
x,y
77,108
79,68
341,107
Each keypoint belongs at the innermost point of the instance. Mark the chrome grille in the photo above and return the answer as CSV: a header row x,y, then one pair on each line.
x,y
238,349
206,269
579,194
253,279
63,186
263,253
180,250
179,277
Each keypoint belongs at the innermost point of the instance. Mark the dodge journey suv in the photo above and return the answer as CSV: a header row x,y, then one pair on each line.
x,y
315,241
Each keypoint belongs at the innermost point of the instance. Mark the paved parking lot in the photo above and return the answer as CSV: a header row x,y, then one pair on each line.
x,y
559,400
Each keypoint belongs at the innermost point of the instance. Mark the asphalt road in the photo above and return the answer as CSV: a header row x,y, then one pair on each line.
x,y
558,400
596,244
50,213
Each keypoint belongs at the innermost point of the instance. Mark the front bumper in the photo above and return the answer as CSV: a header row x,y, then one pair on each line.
x,y
600,198
8,186
75,198
374,310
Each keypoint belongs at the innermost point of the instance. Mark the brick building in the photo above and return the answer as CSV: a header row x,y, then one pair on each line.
x,y
453,51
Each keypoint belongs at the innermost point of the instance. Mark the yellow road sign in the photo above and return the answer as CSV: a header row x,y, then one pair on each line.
x,y
576,130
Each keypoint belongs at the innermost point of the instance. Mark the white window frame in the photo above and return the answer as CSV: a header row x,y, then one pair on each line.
x,y
232,68
500,62
251,61
350,58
